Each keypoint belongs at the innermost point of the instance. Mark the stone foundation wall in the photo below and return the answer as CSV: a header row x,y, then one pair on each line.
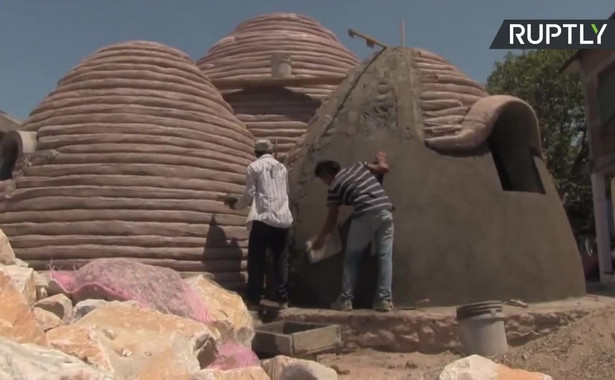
x,y
427,332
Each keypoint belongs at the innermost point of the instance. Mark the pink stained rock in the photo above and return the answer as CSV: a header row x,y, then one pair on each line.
x,y
233,355
128,280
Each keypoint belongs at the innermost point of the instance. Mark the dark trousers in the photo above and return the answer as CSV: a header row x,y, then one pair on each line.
x,y
263,237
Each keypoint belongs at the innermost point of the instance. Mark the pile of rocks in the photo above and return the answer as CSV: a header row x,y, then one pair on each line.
x,y
47,333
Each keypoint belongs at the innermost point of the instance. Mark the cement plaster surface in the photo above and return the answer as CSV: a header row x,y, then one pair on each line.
x,y
459,237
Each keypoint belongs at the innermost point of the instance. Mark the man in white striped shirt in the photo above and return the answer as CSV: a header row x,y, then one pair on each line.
x,y
267,187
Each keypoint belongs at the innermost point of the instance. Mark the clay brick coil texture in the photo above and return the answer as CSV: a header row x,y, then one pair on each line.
x,y
135,148
280,114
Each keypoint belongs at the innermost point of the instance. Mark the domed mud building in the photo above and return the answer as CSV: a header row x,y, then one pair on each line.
x,y
240,65
477,215
7,124
129,157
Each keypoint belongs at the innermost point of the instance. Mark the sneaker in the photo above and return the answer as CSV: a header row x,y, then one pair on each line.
x,y
384,306
342,305
283,305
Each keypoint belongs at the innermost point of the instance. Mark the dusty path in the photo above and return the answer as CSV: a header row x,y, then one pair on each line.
x,y
583,350
370,364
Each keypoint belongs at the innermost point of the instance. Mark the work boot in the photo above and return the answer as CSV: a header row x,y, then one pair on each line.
x,y
384,306
281,305
342,304
252,305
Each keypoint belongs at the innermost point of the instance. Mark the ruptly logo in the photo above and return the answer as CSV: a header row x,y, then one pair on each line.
x,y
555,34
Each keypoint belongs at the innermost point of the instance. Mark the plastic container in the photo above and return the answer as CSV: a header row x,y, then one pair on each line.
x,y
481,328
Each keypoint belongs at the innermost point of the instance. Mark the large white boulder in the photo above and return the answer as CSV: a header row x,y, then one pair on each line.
x,y
135,342
7,256
24,280
226,309
247,373
285,368
59,304
476,367
16,320
28,361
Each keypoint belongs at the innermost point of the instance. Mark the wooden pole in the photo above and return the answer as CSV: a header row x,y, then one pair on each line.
x,y
369,41
403,33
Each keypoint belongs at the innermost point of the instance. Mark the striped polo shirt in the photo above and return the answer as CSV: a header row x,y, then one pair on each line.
x,y
357,186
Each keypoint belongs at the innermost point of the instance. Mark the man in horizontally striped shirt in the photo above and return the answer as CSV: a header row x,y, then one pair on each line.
x,y
372,222
267,188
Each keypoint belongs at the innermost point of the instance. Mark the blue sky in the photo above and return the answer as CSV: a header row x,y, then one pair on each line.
x,y
40,40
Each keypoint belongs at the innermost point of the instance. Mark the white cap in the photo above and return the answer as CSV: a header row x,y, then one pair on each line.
x,y
263,146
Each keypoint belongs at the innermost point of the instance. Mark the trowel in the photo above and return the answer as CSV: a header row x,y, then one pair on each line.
x,y
332,246
235,198
228,197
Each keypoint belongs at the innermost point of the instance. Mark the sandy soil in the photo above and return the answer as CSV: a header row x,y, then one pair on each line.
x,y
583,350
370,364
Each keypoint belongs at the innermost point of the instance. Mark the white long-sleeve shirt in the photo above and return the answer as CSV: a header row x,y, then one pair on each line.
x,y
267,187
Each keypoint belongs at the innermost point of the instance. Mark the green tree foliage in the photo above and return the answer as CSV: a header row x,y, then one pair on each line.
x,y
557,99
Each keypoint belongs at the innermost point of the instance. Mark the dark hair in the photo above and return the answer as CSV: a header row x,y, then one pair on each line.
x,y
325,168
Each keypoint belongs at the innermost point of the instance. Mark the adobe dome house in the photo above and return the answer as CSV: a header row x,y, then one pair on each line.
x,y
129,157
8,123
477,214
275,70
7,153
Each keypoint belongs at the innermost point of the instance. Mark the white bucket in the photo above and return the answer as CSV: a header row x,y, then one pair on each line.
x,y
481,329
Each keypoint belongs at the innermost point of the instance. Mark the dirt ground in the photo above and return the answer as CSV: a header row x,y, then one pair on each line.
x,y
583,350
370,364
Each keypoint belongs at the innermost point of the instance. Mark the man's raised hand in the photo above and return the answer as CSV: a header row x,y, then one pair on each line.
x,y
381,157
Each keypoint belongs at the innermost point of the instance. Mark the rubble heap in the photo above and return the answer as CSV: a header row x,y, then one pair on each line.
x,y
50,332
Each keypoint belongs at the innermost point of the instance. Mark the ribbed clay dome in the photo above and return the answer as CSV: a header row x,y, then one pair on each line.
x,y
278,113
7,122
477,214
134,149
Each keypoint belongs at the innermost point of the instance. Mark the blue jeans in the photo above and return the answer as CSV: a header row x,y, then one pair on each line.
x,y
376,228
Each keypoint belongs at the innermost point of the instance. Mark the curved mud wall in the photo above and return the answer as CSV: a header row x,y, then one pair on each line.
x,y
278,113
459,235
135,148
